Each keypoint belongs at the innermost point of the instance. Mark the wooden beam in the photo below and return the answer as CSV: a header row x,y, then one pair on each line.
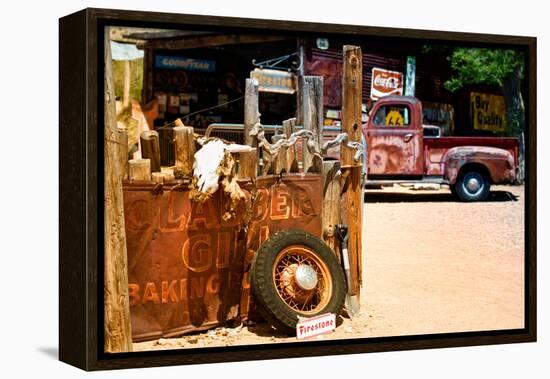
x,y
351,124
117,328
194,42
311,97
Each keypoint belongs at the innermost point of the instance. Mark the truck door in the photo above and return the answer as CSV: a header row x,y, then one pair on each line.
x,y
394,141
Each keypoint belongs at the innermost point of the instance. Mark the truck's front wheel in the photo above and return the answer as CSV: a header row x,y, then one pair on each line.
x,y
471,186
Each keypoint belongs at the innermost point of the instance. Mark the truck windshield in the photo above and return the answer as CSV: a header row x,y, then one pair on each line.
x,y
392,115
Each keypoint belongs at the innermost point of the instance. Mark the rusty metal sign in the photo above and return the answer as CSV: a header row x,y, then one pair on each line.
x,y
185,263
385,82
188,269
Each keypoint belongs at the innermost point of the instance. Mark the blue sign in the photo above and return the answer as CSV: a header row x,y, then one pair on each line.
x,y
182,63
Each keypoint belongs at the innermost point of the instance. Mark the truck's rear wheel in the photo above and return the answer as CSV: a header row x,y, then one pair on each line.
x,y
296,274
472,186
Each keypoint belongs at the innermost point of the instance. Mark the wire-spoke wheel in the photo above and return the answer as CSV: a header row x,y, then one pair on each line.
x,y
296,274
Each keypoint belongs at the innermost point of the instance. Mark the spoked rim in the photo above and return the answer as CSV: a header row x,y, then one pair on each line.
x,y
309,291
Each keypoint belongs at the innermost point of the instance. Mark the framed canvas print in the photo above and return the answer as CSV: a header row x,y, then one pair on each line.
x,y
237,189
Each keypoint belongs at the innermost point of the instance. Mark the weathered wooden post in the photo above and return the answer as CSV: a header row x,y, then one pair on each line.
x,y
251,110
139,169
351,170
311,98
123,153
150,148
117,328
184,145
331,203
291,161
251,117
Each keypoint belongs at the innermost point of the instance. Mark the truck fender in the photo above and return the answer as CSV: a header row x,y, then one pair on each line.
x,y
498,163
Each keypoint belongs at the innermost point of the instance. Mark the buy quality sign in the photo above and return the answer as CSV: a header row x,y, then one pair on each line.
x,y
385,82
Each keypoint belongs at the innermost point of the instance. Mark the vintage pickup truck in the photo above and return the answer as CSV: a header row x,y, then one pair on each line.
x,y
400,149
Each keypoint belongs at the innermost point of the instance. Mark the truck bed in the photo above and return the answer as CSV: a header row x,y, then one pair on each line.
x,y
436,147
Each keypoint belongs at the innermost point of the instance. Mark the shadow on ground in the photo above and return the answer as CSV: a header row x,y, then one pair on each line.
x,y
412,197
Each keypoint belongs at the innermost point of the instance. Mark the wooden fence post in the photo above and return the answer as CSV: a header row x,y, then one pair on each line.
x,y
184,145
311,95
117,328
251,111
251,117
150,148
331,203
139,169
291,161
352,196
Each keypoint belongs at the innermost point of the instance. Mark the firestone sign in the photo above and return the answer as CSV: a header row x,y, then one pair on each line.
x,y
385,82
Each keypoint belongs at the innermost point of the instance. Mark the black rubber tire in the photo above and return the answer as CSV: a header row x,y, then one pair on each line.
x,y
463,194
281,316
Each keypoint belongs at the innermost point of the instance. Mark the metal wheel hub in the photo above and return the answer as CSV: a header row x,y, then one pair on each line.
x,y
473,184
306,277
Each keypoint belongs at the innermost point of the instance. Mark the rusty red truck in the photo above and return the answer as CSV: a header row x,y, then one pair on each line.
x,y
400,149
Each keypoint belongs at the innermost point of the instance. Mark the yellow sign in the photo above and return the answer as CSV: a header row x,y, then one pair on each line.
x,y
488,112
394,118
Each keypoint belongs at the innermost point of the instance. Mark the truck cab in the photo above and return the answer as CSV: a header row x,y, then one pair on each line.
x,y
400,149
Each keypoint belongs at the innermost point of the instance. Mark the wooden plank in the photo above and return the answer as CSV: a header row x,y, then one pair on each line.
x,y
117,328
331,204
351,124
184,145
311,95
247,168
279,164
291,160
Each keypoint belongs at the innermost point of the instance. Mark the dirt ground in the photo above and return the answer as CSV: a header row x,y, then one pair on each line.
x,y
431,265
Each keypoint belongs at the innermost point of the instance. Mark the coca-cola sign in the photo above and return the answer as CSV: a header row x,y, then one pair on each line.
x,y
385,82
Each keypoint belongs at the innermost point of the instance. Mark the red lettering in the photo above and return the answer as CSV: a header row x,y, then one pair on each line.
x,y
168,290
133,293
197,287
150,293
196,253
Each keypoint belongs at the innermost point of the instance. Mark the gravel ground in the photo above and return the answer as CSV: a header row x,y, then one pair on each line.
x,y
431,265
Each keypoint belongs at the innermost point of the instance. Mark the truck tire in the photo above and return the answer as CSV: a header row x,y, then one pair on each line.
x,y
472,185
296,274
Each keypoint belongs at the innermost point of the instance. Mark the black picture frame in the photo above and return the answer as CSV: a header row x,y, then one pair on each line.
x,y
81,193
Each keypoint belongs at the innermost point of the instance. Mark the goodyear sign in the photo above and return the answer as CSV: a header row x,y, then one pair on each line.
x,y
487,111
274,81
182,63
